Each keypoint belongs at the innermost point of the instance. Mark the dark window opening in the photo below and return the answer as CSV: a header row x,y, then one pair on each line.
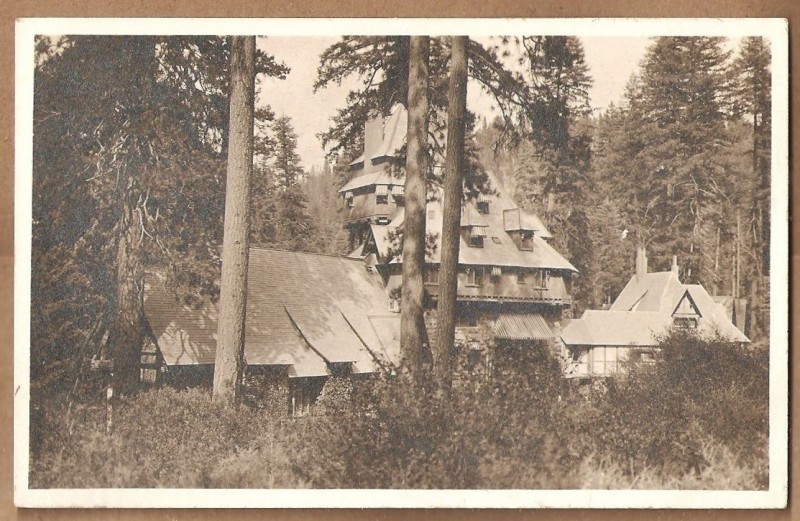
x,y
476,242
303,394
483,207
685,322
526,240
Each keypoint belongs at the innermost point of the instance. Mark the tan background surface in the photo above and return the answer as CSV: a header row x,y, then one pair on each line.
x,y
11,9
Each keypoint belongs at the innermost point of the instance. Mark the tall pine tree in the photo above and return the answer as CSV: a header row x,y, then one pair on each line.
x,y
292,222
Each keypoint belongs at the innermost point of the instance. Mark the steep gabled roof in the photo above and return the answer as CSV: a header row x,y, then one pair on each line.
x,y
646,307
714,318
394,133
394,136
303,310
647,293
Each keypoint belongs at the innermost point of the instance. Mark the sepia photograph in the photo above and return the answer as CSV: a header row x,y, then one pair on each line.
x,y
542,265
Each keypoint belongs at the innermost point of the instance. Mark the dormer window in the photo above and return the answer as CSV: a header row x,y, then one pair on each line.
x,y
381,194
686,315
348,196
398,194
483,203
685,322
476,236
526,240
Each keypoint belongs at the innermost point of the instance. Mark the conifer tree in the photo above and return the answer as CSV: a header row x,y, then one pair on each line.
x,y
229,362
412,323
669,160
129,133
292,222
451,211
753,99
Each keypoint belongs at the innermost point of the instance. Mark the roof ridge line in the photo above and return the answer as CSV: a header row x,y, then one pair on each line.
x,y
263,248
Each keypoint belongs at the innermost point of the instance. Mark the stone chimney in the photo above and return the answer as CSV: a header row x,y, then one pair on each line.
x,y
373,136
641,264
675,265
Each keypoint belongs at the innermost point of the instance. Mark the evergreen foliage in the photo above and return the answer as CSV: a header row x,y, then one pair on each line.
x,y
129,141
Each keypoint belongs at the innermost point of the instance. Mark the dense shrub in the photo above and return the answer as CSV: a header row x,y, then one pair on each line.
x,y
696,419
399,436
161,438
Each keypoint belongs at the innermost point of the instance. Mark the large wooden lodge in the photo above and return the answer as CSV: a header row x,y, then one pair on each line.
x,y
509,277
312,317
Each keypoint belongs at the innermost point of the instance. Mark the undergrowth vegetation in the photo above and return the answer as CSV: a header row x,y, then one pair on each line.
x,y
697,419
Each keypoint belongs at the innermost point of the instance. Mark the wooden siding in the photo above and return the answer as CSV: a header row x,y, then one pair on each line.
x,y
503,288
365,206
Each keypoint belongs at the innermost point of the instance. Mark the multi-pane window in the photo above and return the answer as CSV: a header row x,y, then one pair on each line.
x,y
604,360
398,194
382,194
521,277
542,278
474,276
483,203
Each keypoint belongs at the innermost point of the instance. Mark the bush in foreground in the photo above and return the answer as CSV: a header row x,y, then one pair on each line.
x,y
697,419
161,438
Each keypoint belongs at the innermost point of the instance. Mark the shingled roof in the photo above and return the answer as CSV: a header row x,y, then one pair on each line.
x,y
504,217
644,310
303,311
499,248
394,136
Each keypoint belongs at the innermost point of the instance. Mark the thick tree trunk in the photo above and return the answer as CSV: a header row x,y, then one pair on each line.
x,y
128,315
126,342
451,214
412,322
235,246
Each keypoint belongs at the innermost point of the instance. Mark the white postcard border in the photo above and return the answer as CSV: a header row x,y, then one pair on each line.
x,y
776,30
